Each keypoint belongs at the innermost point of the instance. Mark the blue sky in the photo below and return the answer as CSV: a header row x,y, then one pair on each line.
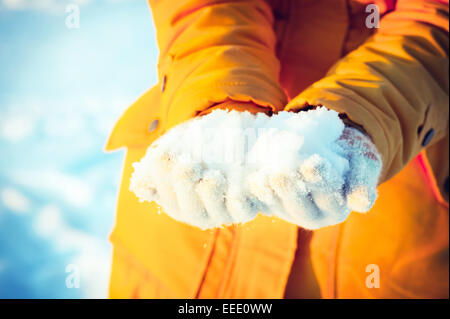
x,y
61,90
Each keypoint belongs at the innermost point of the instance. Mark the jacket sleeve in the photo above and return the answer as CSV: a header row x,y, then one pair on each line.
x,y
395,85
213,51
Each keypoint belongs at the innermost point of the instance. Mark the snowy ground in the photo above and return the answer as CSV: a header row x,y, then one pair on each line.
x,y
60,92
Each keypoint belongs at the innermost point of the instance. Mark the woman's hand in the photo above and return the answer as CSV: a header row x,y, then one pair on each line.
x,y
305,168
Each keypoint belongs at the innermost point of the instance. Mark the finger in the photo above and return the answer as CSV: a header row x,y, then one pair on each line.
x,y
259,186
142,184
296,201
362,181
365,168
332,204
326,187
160,171
242,206
240,203
184,177
315,170
211,190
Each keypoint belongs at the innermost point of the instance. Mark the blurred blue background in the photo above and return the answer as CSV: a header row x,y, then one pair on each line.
x,y
61,90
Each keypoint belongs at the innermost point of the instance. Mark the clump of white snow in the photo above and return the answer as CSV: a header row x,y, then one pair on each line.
x,y
228,166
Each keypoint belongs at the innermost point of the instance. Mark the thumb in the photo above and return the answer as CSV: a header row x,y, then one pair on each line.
x,y
365,168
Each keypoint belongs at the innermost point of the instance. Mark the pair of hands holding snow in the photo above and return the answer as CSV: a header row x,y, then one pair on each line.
x,y
306,168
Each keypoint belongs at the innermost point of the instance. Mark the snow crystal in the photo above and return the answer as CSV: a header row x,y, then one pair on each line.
x,y
228,166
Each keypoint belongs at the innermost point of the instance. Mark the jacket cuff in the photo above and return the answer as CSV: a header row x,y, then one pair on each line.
x,y
238,106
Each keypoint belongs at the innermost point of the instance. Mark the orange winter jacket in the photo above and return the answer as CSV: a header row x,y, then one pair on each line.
x,y
389,78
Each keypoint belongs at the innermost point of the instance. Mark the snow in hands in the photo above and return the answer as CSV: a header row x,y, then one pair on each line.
x,y
306,168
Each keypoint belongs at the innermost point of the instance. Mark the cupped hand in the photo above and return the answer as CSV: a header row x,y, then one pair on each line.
x,y
315,182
